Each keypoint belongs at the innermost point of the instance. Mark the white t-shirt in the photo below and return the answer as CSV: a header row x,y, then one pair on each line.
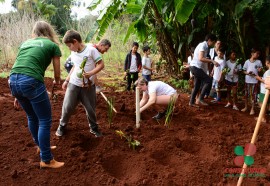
x,y
189,59
160,88
146,61
248,66
218,70
267,73
133,64
231,76
212,54
77,57
202,47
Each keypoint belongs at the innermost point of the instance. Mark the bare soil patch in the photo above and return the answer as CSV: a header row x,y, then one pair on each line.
x,y
195,150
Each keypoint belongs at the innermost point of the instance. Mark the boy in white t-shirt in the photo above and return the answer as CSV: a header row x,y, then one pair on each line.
x,y
251,68
146,63
263,90
231,79
80,87
217,73
155,92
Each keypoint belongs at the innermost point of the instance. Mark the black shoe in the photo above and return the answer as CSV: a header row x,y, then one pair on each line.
x,y
96,132
60,130
159,115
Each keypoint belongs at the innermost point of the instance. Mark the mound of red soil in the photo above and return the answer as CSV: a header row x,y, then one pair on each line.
x,y
197,148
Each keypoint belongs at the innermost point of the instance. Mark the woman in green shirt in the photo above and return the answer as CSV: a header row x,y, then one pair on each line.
x,y
27,86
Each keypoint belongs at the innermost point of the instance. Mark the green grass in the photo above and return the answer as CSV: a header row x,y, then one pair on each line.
x,y
4,74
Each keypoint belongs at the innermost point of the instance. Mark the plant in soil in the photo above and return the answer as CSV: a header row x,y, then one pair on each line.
x,y
131,142
169,113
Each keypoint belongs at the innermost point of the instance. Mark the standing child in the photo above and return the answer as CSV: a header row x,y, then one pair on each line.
x,y
133,65
251,68
81,87
231,79
146,63
217,73
262,80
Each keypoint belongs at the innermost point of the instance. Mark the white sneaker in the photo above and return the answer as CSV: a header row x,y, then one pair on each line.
x,y
228,104
235,107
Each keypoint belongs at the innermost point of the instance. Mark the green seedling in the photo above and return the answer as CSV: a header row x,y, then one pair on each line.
x,y
135,143
131,142
120,133
226,70
169,112
81,70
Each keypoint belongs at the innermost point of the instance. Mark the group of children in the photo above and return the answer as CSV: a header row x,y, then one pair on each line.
x,y
228,72
134,63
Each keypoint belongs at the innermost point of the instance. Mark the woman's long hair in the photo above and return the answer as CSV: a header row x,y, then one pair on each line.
x,y
44,29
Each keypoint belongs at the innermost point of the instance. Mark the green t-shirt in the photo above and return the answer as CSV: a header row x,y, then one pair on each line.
x,y
34,57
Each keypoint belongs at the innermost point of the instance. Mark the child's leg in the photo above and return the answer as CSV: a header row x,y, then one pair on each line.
x,y
234,92
198,97
218,95
246,97
164,99
229,97
135,78
129,81
69,104
88,100
253,93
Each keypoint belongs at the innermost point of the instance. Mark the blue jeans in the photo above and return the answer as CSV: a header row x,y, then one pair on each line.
x,y
33,98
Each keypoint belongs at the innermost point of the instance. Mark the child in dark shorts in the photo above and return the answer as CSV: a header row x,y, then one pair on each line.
x,y
231,80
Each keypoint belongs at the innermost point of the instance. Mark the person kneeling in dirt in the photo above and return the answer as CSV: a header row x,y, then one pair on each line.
x,y
80,82
155,92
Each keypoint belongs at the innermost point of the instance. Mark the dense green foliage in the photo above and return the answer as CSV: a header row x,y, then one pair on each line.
x,y
177,25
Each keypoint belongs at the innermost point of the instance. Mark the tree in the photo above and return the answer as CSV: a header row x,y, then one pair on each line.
x,y
154,20
58,12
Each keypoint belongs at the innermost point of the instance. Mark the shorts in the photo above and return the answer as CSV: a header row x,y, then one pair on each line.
x,y
251,91
261,97
230,84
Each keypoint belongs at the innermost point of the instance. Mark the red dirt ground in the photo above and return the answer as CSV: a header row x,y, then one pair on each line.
x,y
195,150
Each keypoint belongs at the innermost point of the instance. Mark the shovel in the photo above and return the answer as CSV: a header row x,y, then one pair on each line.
x,y
98,90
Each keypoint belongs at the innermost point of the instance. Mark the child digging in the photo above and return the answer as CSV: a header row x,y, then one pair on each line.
x,y
81,88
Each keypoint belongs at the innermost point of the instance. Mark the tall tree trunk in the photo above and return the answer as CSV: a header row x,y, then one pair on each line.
x,y
165,41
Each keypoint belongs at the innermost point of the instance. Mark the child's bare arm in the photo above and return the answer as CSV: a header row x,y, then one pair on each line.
x,y
259,79
98,68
